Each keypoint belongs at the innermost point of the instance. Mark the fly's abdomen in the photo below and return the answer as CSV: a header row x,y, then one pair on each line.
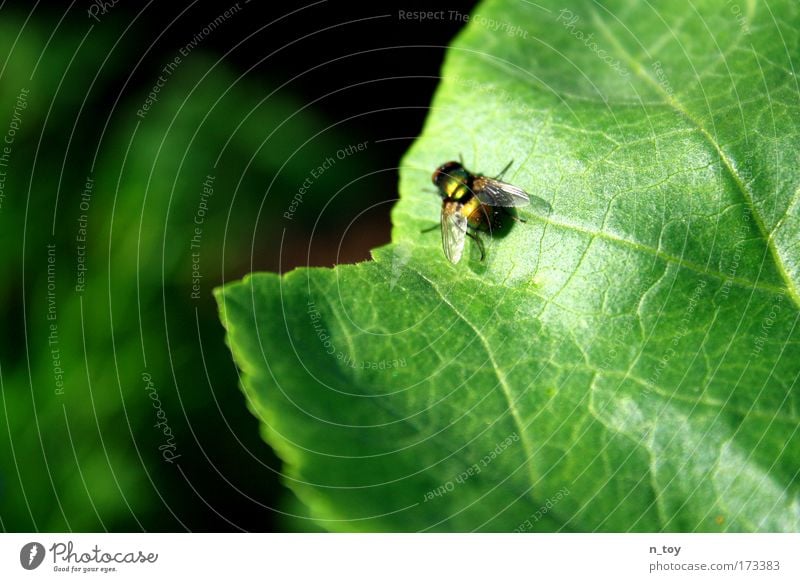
x,y
482,216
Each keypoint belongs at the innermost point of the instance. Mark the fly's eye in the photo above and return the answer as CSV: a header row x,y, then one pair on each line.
x,y
441,173
446,171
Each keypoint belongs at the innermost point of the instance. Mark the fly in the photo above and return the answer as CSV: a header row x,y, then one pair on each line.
x,y
474,202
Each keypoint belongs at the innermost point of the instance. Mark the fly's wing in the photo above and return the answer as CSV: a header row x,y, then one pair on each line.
x,y
454,231
496,193
541,206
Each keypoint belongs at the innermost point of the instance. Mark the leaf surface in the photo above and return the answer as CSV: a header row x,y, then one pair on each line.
x,y
629,362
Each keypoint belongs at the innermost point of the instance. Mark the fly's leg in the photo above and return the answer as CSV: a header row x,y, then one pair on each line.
x,y
503,171
513,217
434,227
479,242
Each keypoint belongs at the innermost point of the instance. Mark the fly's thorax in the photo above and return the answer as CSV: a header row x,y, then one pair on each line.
x,y
455,188
452,180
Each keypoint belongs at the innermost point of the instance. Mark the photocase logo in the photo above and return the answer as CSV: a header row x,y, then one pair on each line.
x,y
31,555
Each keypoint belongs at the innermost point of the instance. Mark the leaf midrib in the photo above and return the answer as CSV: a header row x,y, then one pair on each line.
x,y
727,163
658,253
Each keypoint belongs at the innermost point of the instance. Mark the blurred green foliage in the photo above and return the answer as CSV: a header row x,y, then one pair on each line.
x,y
89,459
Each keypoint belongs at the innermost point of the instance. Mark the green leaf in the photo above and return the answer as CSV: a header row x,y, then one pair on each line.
x,y
629,362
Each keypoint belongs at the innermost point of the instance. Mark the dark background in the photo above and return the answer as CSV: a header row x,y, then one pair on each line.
x,y
259,105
